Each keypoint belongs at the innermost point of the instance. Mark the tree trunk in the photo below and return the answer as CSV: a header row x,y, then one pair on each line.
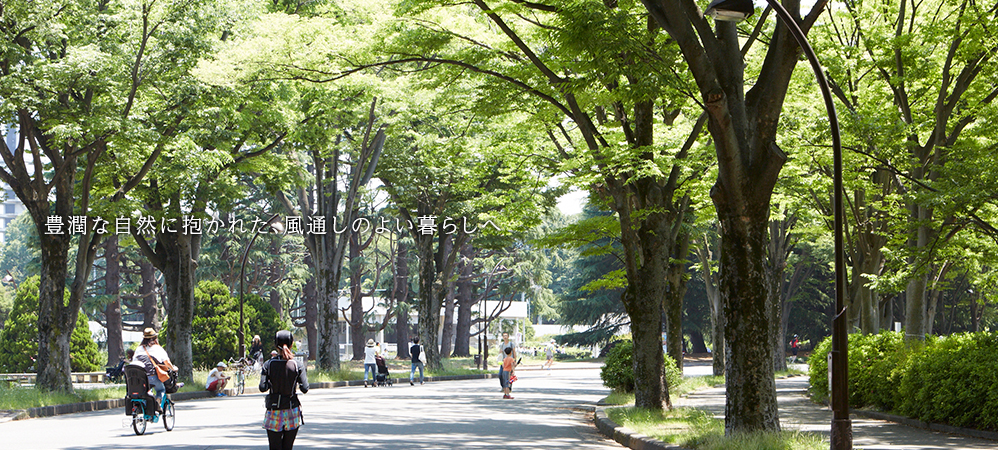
x,y
643,305
447,336
400,293
699,346
311,314
54,329
705,256
275,301
750,386
358,328
112,311
150,300
327,323
465,303
673,306
428,308
179,266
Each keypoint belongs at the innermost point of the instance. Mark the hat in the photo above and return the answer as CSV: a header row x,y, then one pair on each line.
x,y
149,333
221,364
370,342
284,338
553,342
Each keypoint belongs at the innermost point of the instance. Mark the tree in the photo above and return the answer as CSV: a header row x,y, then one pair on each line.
x,y
743,126
95,90
19,337
585,62
934,63
592,298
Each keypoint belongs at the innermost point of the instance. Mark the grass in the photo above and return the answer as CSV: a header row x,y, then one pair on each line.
x,y
696,429
18,397
689,384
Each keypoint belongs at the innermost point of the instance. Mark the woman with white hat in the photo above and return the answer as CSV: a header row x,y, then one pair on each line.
x,y
370,364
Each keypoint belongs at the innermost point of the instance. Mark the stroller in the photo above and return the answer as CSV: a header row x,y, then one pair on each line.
x,y
115,373
382,378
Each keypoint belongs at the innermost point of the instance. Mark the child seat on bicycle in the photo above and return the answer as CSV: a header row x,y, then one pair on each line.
x,y
137,385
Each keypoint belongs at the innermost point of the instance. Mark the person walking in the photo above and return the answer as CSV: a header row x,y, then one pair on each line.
x,y
280,376
549,353
794,347
370,365
506,374
154,357
418,360
506,344
256,349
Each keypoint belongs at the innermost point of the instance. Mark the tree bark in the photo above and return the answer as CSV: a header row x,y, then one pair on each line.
x,y
466,301
706,257
358,328
400,292
176,257
150,300
447,336
112,311
311,314
674,297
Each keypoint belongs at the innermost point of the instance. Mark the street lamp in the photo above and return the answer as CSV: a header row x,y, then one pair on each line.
x,y
841,431
276,227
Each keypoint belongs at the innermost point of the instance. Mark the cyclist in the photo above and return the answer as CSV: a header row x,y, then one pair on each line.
x,y
154,357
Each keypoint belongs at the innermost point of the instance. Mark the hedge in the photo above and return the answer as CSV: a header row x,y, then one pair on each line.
x,y
950,380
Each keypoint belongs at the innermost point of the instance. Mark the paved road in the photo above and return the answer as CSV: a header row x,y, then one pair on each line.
x,y
444,415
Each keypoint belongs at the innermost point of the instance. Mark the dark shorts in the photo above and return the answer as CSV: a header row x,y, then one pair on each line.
x,y
504,378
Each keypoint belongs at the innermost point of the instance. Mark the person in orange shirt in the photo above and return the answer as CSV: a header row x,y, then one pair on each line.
x,y
507,373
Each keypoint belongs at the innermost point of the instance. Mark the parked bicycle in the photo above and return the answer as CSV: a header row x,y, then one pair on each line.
x,y
241,367
143,407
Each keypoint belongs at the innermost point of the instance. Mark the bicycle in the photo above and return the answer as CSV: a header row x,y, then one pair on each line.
x,y
240,367
140,401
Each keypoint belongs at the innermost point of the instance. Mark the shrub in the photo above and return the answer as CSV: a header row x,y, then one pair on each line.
x,y
618,369
875,364
947,380
214,330
19,337
953,380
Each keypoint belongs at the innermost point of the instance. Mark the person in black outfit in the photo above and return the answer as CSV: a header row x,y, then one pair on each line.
x,y
280,376
256,348
415,351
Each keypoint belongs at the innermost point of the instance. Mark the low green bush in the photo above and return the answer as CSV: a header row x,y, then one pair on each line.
x,y
948,380
618,369
953,380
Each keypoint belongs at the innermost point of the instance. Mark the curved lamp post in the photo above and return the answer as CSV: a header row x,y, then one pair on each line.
x,y
276,227
841,431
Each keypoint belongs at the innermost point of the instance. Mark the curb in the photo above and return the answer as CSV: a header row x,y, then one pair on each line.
x,y
626,436
96,405
102,405
915,423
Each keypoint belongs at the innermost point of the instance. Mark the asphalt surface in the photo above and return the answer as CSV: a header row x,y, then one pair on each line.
x,y
545,414
548,412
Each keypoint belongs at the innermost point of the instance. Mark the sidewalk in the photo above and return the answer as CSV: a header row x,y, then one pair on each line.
x,y
797,412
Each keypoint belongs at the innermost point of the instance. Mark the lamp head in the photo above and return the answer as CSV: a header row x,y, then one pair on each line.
x,y
730,10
